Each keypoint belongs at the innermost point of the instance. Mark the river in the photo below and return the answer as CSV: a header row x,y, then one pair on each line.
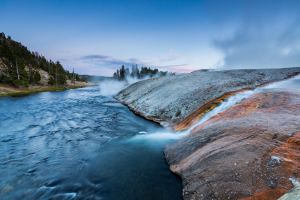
x,y
78,144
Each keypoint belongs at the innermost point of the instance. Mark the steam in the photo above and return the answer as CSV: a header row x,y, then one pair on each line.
x,y
111,87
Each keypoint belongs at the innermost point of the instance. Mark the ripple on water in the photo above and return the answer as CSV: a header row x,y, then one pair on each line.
x,y
62,145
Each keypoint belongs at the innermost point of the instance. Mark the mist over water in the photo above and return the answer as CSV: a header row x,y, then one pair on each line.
x,y
111,87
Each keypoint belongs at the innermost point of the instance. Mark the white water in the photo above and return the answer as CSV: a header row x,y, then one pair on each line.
x,y
226,104
164,135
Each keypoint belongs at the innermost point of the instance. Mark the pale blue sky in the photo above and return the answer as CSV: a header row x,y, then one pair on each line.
x,y
96,37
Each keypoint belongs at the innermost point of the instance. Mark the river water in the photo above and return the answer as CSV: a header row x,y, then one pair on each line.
x,y
78,144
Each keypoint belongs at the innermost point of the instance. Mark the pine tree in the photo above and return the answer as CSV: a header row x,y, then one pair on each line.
x,y
122,73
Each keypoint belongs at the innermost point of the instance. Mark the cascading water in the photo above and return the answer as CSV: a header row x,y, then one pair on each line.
x,y
226,104
172,135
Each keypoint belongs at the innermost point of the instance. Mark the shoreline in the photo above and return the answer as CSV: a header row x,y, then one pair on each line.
x,y
8,90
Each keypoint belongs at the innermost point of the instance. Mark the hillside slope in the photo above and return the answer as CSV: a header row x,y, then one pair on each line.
x,y
20,67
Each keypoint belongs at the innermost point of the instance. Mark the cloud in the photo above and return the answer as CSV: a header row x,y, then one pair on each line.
x,y
265,44
173,66
94,56
108,60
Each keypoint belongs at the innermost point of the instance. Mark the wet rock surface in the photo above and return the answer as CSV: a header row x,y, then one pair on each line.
x,y
170,100
249,151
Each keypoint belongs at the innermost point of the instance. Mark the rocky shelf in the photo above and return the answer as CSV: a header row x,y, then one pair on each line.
x,y
177,101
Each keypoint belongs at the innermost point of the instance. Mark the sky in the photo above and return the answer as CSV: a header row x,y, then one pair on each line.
x,y
97,36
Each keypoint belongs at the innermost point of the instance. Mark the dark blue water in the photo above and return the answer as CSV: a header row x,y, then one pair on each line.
x,y
78,144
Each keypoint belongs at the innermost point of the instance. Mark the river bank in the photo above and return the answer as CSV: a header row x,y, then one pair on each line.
x,y
8,90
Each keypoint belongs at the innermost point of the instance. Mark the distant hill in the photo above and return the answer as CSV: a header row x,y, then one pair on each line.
x,y
21,67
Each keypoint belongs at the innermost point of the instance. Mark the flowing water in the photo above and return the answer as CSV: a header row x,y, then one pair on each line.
x,y
78,144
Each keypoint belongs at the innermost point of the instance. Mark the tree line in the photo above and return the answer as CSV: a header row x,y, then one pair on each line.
x,y
20,67
140,73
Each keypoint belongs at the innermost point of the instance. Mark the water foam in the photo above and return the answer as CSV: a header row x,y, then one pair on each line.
x,y
160,135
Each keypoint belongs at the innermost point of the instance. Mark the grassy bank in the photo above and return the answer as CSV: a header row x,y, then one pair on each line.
x,y
6,90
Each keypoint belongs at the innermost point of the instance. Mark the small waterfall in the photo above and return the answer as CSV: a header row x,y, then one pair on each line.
x,y
226,104
172,135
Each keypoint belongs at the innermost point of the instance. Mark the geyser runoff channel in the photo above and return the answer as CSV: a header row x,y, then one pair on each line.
x,y
226,104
